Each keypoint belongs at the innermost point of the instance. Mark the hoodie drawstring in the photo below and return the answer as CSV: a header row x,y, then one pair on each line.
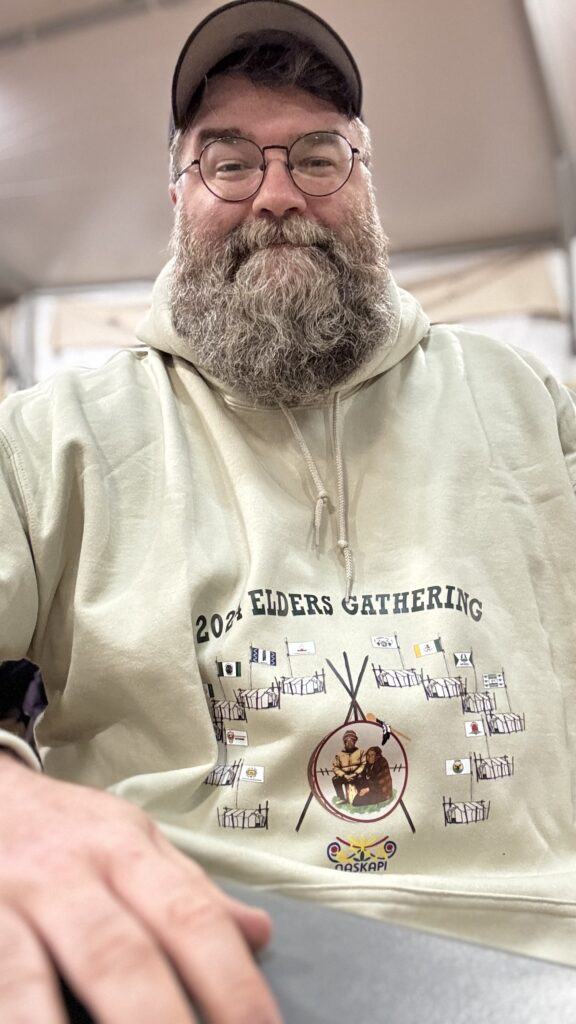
x,y
321,500
343,542
321,493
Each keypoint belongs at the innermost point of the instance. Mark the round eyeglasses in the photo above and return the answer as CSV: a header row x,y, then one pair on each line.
x,y
233,168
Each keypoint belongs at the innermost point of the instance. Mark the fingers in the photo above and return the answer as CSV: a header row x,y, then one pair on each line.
x,y
28,989
193,923
108,958
254,923
134,927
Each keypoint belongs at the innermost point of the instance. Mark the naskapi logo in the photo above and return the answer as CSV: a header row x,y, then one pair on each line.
x,y
361,854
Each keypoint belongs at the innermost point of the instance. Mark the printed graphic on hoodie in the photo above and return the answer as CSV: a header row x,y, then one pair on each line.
x,y
358,769
348,772
360,854
494,718
358,772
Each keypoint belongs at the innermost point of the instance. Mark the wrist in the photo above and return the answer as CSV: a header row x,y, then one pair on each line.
x,y
14,749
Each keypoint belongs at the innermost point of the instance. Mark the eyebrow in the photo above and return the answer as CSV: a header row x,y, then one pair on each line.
x,y
209,134
206,135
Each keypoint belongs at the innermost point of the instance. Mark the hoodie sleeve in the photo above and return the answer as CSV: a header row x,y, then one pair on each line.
x,y
18,587
18,590
565,404
565,401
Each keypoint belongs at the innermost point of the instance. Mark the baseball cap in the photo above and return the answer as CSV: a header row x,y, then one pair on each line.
x,y
218,34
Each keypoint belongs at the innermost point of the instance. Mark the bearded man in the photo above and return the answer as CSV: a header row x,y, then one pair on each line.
x,y
287,302
297,464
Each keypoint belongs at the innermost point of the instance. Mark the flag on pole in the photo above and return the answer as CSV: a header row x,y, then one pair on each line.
x,y
229,668
428,647
463,659
458,766
493,679
251,773
262,657
388,642
236,738
474,728
301,647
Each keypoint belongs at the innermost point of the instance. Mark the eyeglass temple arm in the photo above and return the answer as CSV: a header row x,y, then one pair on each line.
x,y
184,169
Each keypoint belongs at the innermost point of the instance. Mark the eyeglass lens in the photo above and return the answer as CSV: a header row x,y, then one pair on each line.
x,y
319,164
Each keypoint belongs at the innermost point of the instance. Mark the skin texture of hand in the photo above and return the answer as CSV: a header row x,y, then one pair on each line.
x,y
88,883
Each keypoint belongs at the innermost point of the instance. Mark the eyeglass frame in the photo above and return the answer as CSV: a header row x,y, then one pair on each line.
x,y
287,149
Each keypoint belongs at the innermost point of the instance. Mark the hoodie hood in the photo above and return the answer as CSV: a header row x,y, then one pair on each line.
x,y
408,326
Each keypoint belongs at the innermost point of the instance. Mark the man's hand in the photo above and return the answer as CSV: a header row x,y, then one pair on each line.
x,y
88,883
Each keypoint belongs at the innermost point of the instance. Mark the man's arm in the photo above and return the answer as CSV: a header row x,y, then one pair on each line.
x,y
90,885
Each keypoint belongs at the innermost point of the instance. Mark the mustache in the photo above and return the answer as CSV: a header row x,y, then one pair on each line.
x,y
249,238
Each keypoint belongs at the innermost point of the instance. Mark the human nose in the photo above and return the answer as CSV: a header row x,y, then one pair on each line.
x,y
278,196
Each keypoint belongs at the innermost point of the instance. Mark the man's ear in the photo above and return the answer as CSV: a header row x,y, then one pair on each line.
x,y
172,192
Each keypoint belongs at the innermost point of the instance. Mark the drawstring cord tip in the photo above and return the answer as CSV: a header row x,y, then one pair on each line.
x,y
344,548
321,502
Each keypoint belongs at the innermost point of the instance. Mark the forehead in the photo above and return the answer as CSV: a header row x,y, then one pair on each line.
x,y
279,114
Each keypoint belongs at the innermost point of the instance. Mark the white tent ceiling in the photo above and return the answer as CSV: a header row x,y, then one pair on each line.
x,y
471,131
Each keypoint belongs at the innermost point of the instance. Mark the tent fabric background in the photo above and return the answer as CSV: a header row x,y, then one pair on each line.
x,y
472,108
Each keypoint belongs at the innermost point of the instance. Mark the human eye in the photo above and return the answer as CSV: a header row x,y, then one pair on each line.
x,y
316,165
231,159
231,168
318,155
317,158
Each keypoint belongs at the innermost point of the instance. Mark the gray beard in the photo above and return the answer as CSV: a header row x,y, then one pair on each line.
x,y
283,310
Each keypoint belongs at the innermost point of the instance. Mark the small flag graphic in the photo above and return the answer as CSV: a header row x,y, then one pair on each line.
x,y
236,738
493,679
474,728
252,773
262,657
428,647
458,766
388,642
303,647
463,659
229,668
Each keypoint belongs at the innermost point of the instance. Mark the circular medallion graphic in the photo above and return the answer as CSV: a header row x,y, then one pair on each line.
x,y
359,772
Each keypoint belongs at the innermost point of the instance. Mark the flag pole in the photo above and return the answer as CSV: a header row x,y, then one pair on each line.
x,y
288,655
506,690
445,658
475,672
237,781
402,665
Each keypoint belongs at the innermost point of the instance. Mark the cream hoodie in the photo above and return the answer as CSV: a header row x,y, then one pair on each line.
x,y
202,657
